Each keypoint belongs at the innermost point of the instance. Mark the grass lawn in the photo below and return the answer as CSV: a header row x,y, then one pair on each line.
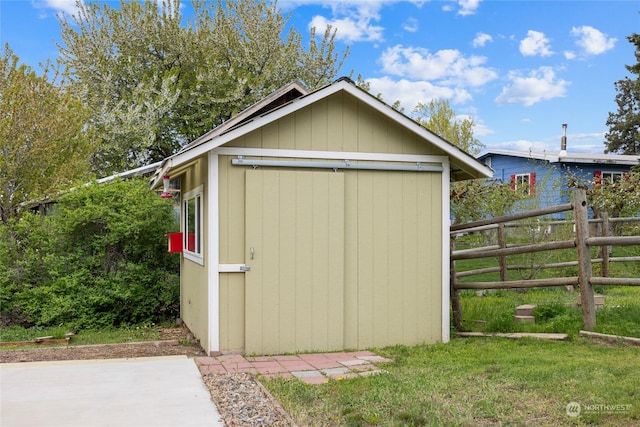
x,y
495,311
86,336
478,382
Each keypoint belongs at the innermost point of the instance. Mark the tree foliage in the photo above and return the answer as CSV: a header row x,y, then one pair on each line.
x,y
441,119
43,146
624,125
473,199
155,83
619,198
100,259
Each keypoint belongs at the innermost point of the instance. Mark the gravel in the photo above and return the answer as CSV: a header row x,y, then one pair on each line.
x,y
243,401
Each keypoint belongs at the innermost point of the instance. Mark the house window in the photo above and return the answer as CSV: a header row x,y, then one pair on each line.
x,y
607,177
192,215
525,182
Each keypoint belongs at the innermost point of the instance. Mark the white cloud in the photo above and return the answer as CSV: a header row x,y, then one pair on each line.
x,y
357,23
482,39
479,127
593,41
523,145
449,66
535,44
468,7
541,84
411,25
66,6
568,54
410,93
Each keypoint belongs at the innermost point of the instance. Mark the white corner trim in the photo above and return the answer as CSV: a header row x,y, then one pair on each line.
x,y
213,254
446,224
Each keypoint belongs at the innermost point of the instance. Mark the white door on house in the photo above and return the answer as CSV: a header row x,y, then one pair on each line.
x,y
294,296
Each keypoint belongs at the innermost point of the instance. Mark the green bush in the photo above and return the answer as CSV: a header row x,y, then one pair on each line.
x,y
98,260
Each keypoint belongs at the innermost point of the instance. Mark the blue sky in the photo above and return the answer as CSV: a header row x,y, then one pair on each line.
x,y
520,68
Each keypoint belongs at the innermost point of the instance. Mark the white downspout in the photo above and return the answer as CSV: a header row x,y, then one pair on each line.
x,y
446,224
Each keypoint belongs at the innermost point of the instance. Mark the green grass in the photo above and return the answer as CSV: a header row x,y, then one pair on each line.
x,y
117,335
470,382
495,311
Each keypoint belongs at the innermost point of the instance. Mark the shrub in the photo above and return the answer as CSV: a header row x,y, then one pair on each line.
x,y
98,260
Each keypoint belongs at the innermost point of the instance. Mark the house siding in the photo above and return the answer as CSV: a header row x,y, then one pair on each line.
x,y
551,178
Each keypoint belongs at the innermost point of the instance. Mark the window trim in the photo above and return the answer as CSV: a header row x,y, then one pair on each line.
x,y
602,177
196,255
530,185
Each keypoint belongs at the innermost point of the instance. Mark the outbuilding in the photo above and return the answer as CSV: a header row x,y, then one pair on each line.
x,y
316,222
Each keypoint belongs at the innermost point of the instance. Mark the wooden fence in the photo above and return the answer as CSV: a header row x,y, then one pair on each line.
x,y
582,242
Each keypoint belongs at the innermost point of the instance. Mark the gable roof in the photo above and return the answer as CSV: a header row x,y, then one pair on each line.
x,y
283,102
278,98
564,157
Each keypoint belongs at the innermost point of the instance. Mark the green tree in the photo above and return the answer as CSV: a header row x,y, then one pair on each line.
x,y
472,199
99,259
43,146
441,119
624,125
155,83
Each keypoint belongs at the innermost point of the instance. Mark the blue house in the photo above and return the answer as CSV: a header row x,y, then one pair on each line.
x,y
548,175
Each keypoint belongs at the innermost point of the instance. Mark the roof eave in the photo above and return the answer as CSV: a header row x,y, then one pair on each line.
x,y
464,166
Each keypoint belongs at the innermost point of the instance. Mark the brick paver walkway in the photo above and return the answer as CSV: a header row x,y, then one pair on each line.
x,y
314,368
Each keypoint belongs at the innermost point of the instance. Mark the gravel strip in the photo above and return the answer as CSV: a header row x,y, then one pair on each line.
x,y
243,401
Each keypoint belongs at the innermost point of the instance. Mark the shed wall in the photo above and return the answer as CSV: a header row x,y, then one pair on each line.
x,y
393,236
194,296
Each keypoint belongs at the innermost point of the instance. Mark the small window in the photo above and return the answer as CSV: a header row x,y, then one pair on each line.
x,y
611,177
192,215
525,182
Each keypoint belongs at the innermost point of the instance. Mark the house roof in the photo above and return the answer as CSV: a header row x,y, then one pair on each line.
x,y
564,157
294,97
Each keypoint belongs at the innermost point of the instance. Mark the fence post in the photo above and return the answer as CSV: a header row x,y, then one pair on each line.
x,y
584,259
502,259
456,309
604,250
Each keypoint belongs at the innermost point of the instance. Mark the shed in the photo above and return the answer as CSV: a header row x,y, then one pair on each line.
x,y
316,222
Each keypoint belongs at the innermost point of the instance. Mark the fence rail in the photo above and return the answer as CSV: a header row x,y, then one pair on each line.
x,y
582,243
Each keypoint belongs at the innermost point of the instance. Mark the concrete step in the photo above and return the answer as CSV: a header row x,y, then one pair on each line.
x,y
524,319
598,300
525,310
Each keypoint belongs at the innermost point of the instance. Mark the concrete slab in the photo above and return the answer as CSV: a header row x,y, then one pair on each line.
x,y
156,391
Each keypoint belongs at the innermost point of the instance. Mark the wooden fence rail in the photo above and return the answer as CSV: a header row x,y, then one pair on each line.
x,y
582,243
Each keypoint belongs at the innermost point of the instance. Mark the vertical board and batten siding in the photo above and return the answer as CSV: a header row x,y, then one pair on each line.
x,y
393,261
194,296
294,290
392,226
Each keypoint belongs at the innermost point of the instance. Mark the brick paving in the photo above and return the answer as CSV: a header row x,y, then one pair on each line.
x,y
315,368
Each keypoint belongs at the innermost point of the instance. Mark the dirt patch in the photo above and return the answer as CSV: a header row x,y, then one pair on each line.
x,y
173,341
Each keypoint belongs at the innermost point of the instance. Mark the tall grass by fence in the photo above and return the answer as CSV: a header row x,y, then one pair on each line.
x,y
581,240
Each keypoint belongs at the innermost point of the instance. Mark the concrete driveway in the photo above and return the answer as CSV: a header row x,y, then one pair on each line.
x,y
155,391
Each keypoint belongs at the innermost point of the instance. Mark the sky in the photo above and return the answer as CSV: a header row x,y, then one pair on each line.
x,y
520,69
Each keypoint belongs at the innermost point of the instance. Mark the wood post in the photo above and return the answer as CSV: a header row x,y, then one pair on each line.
x,y
456,309
502,259
604,250
584,259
